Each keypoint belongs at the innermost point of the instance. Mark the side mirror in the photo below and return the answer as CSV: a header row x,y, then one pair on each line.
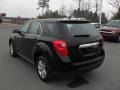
x,y
15,31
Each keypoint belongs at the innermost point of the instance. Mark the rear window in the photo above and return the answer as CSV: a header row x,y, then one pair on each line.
x,y
77,29
73,28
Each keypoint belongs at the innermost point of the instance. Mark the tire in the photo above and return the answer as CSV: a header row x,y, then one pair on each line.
x,y
43,69
12,49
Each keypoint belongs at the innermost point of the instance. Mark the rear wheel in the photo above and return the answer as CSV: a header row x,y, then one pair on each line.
x,y
12,49
43,69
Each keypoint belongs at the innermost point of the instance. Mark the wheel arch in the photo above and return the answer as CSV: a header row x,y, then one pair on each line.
x,y
11,40
41,49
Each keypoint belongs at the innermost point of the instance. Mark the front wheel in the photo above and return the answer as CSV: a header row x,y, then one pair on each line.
x,y
43,69
12,49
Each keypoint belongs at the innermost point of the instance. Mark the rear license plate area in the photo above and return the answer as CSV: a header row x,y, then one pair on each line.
x,y
89,49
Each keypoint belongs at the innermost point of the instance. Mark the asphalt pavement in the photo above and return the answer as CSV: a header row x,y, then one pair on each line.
x,y
18,74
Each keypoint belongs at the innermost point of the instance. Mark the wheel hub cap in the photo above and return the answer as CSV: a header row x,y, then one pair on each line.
x,y
11,49
42,69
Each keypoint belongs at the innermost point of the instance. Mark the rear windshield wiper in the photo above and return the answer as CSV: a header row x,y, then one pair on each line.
x,y
86,35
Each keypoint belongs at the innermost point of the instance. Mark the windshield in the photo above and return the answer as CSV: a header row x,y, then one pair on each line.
x,y
114,23
81,29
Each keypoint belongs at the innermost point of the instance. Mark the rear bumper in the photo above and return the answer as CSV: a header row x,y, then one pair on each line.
x,y
80,70
79,67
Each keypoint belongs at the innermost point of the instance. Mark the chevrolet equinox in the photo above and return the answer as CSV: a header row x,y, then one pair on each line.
x,y
58,46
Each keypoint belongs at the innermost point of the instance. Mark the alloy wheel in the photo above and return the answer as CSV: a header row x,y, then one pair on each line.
x,y
42,69
11,49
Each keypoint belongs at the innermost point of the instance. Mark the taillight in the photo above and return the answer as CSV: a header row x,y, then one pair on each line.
x,y
61,47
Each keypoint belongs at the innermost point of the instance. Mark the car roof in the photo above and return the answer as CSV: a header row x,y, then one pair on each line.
x,y
62,20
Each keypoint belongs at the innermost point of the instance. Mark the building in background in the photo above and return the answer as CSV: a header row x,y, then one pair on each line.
x,y
2,14
15,20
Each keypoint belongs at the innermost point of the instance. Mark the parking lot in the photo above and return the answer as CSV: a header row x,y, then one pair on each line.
x,y
18,74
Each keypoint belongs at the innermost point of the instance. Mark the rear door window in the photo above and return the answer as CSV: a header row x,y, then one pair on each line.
x,y
54,29
34,28
51,27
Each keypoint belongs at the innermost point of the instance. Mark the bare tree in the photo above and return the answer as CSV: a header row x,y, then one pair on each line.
x,y
85,4
115,4
89,5
70,11
79,2
62,10
43,4
96,6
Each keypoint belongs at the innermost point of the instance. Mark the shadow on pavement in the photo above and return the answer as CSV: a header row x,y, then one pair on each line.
x,y
77,81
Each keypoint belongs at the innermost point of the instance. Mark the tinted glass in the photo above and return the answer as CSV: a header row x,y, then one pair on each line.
x,y
81,29
34,28
50,26
73,28
114,23
54,29
25,27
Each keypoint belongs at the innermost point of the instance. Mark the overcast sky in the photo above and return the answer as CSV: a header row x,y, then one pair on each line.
x,y
27,8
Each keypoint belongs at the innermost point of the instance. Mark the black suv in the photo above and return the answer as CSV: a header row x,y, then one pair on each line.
x,y
58,46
